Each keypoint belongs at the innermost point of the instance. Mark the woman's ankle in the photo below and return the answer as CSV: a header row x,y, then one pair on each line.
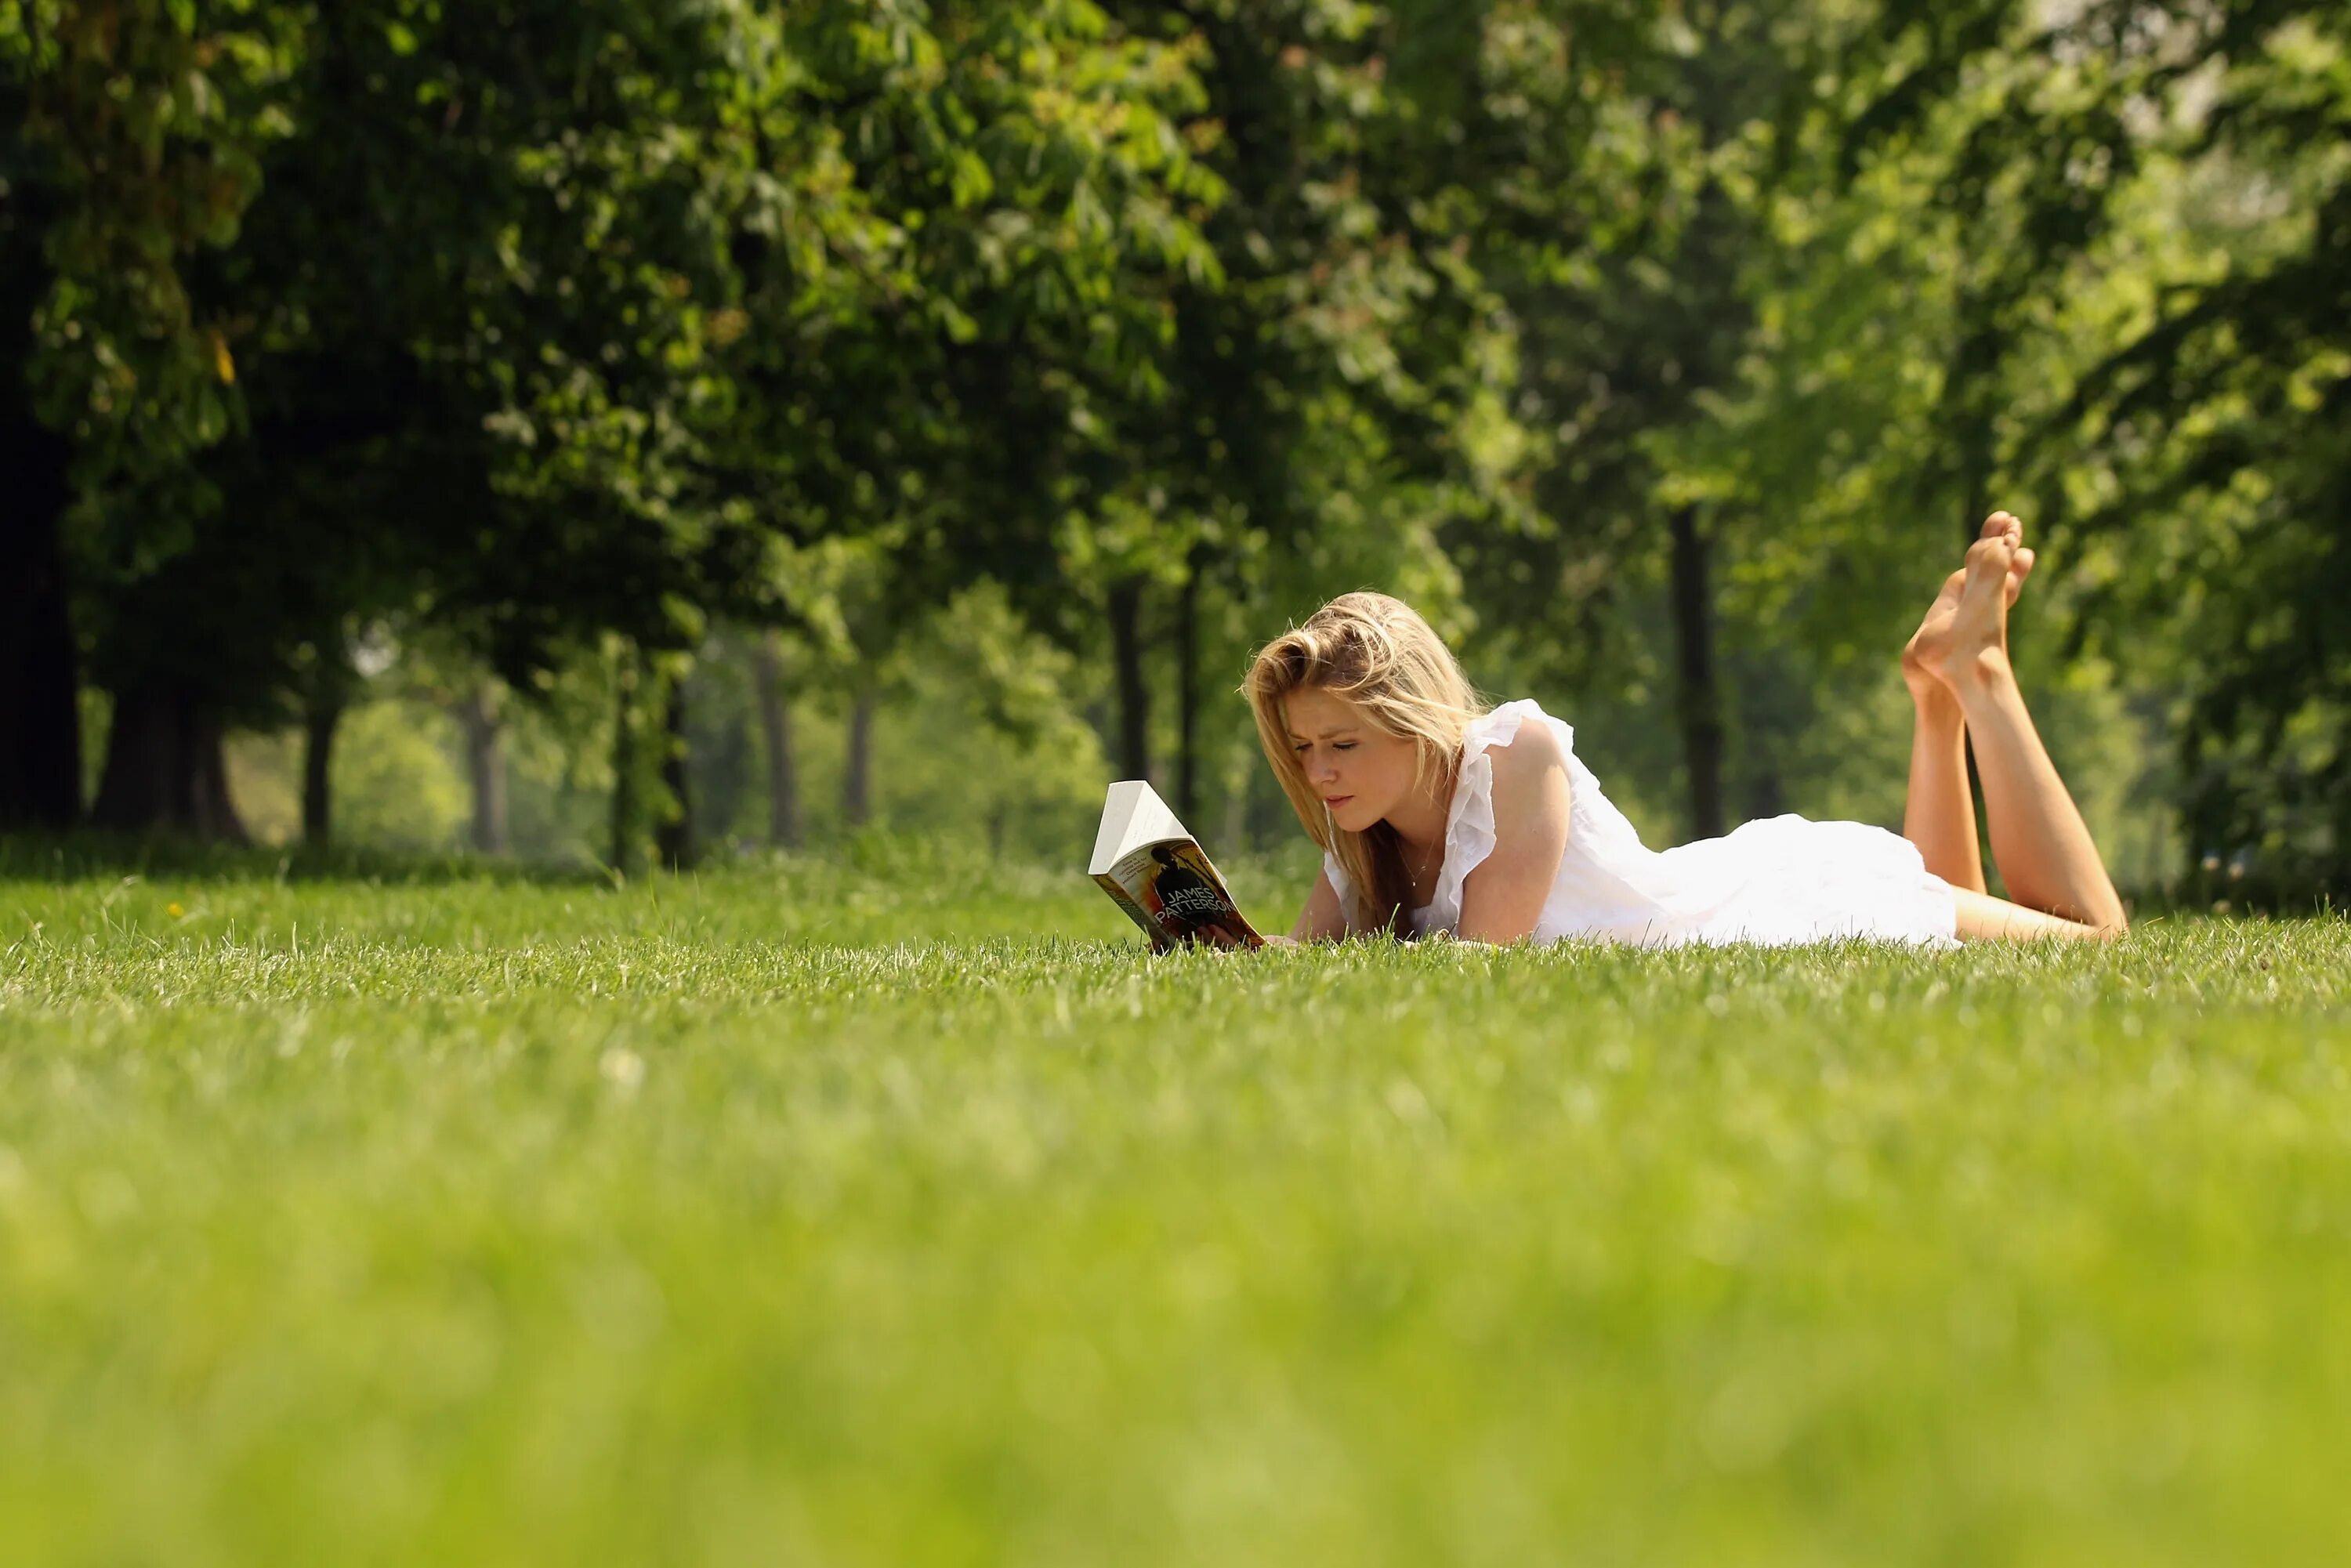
x,y
1937,704
1984,673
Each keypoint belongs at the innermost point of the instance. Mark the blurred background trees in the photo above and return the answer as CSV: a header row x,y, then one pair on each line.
x,y
612,430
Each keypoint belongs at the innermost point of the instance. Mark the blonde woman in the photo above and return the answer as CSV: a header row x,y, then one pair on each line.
x,y
1436,815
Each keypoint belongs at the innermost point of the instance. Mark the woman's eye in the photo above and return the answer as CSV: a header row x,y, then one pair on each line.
x,y
1342,746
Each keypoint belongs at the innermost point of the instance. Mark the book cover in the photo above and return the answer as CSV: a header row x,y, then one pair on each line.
x,y
1155,870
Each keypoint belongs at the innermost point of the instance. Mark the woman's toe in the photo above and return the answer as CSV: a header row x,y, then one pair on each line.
x,y
1992,553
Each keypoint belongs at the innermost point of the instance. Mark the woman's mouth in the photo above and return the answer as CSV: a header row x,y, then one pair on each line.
x,y
1336,801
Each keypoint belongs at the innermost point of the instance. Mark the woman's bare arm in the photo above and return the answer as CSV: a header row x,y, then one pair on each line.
x,y
1503,898
1321,920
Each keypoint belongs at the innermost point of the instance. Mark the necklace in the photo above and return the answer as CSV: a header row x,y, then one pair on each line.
x,y
1427,856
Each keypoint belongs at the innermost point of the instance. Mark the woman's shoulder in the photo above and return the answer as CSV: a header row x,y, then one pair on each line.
x,y
1507,756
1518,736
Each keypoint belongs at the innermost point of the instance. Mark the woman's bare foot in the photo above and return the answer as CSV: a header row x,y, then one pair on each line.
x,y
1928,653
1922,657
1973,645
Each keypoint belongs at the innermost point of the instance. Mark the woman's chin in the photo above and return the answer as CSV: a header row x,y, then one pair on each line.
x,y
1351,818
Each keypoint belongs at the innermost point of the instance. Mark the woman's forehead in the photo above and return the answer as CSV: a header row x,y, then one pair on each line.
x,y
1313,710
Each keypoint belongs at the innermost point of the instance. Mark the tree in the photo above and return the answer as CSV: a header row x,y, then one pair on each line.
x,y
129,141
1312,425
1621,223
787,830
2152,339
480,714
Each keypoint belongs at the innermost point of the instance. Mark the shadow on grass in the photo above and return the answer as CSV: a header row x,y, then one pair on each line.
x,y
874,852
85,856
2279,896
885,856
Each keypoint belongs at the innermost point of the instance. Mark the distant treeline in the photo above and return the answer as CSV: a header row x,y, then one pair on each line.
x,y
1663,353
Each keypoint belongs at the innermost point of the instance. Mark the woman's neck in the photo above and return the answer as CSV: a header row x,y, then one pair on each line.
x,y
1420,821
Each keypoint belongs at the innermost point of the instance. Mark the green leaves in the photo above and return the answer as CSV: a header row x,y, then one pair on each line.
x,y
141,133
549,319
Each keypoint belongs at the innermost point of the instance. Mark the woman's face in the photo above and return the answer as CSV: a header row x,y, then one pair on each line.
x,y
1361,772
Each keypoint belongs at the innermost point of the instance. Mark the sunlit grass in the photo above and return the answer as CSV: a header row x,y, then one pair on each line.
x,y
906,1212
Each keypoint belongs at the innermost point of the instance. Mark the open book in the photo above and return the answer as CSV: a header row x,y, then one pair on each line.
x,y
1155,871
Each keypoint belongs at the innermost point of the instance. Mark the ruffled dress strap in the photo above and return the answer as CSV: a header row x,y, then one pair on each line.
x,y
1470,825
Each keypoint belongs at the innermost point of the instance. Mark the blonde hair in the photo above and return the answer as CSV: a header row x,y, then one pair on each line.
x,y
1379,654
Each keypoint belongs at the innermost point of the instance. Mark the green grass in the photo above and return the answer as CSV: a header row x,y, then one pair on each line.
x,y
906,1213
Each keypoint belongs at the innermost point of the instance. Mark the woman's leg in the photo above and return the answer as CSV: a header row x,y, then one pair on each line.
x,y
1983,918
2039,841
1938,813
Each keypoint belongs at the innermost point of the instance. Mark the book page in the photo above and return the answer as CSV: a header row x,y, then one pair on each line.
x,y
1133,816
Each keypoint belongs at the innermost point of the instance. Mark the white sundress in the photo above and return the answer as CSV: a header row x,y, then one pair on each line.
x,y
1776,882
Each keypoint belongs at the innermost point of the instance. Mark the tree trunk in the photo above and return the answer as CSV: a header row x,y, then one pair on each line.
x,y
320,715
40,717
1972,439
1236,833
857,778
674,836
1134,693
486,765
1970,433
164,768
785,829
627,793
1700,693
1188,696
1767,794
215,814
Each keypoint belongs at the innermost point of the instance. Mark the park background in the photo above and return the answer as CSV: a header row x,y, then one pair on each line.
x,y
616,429
477,450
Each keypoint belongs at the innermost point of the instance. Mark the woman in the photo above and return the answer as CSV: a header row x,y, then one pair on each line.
x,y
1436,815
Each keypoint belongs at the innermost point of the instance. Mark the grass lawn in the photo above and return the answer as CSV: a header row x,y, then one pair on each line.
x,y
910,1214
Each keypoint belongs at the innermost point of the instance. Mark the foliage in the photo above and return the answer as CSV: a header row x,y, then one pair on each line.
x,y
394,787
2146,329
1662,354
135,138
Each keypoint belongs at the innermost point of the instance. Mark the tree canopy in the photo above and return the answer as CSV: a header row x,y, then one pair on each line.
x,y
1650,348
